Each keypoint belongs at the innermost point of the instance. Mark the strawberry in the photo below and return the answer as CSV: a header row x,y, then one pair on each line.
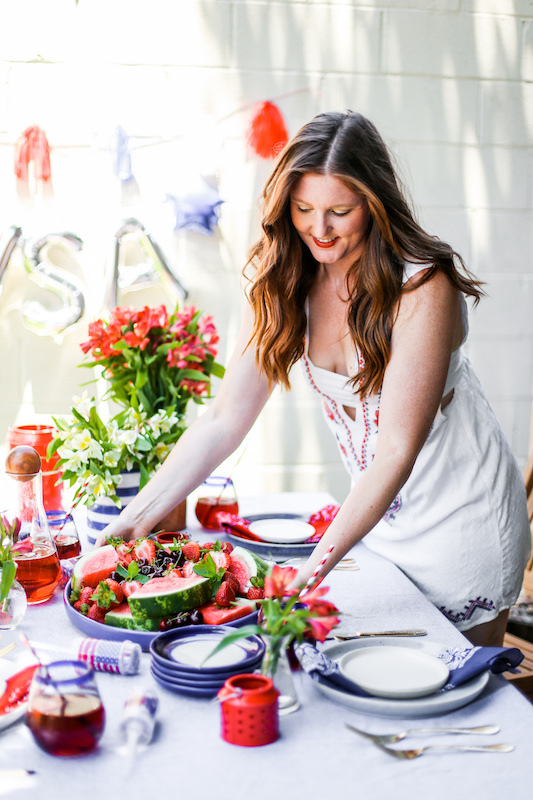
x,y
230,577
85,595
176,573
191,551
96,613
128,587
255,593
77,605
222,560
144,548
188,569
225,595
109,594
209,545
125,553
226,547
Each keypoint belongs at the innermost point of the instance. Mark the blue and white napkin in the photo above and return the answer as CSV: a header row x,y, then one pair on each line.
x,y
464,663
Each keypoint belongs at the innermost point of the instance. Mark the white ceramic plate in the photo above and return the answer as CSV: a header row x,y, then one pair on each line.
x,y
429,706
399,672
282,531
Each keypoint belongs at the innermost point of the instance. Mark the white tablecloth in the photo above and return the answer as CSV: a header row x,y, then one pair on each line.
x,y
316,756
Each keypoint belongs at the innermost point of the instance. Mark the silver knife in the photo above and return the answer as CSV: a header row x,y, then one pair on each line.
x,y
345,637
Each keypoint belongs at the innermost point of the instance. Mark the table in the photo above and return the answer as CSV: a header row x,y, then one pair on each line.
x,y
316,757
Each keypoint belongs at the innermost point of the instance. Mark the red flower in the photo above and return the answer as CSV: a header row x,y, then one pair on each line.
x,y
321,608
321,626
277,582
194,387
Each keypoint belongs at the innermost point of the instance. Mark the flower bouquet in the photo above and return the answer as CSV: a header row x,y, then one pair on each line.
x,y
153,363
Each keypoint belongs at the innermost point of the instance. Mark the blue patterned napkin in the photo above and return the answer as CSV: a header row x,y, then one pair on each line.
x,y
464,663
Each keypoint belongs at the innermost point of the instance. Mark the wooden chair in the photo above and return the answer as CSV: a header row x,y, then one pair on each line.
x,y
523,680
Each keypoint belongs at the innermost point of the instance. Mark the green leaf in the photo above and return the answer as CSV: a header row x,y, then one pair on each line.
x,y
194,375
9,570
240,633
217,370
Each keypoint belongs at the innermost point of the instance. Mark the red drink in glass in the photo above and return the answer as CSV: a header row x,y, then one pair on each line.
x,y
208,507
67,546
38,571
66,725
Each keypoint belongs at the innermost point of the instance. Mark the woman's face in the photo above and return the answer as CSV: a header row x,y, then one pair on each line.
x,y
331,219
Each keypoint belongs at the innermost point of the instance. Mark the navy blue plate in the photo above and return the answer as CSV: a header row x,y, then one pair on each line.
x,y
165,649
189,691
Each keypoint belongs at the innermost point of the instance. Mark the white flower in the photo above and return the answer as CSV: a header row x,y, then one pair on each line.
x,y
83,404
111,458
161,450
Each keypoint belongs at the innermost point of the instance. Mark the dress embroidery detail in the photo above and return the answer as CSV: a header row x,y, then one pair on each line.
x,y
461,616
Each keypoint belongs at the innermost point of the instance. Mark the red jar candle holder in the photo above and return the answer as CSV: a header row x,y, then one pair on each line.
x,y
249,710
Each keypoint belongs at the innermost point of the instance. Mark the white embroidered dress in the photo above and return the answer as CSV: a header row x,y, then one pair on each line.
x,y
459,527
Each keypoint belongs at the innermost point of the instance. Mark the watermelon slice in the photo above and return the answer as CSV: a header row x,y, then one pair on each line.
x,y
245,566
213,615
94,567
164,597
121,617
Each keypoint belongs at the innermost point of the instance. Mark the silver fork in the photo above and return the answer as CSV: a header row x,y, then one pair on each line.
x,y
410,754
384,739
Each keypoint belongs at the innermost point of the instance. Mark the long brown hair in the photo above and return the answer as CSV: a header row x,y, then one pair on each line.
x,y
349,147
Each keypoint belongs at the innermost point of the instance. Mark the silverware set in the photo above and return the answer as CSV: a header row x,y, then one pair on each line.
x,y
383,740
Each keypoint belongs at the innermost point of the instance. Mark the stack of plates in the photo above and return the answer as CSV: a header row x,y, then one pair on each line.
x,y
181,659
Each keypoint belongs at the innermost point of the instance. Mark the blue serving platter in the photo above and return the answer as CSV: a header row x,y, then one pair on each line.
x,y
98,630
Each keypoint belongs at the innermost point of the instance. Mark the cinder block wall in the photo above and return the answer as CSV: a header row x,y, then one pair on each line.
x,y
449,84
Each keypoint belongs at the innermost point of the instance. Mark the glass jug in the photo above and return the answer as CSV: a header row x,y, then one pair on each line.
x,y
35,553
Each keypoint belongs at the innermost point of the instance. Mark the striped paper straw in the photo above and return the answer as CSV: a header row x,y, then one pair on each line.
x,y
313,579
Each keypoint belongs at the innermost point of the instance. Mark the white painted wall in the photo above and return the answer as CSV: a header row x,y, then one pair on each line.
x,y
448,82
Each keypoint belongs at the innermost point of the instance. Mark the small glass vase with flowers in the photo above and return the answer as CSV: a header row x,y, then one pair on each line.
x,y
287,616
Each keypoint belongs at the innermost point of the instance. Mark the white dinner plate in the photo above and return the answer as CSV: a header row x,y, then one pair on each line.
x,y
398,672
428,706
282,531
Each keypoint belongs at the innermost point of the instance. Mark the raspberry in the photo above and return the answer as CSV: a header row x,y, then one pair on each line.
x,y
97,614
191,551
232,580
225,595
255,593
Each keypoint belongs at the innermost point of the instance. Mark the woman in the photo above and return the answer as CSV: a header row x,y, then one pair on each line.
x,y
345,281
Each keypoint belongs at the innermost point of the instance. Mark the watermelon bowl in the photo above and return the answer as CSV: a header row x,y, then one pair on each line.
x,y
99,630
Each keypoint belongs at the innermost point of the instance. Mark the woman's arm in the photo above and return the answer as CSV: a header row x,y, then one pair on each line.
x,y
423,336
204,445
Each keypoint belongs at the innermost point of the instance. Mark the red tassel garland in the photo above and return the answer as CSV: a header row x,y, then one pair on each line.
x,y
267,133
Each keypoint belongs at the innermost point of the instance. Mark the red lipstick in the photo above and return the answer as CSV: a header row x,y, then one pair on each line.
x,y
324,244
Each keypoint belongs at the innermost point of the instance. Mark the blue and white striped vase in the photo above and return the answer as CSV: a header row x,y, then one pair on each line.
x,y
104,511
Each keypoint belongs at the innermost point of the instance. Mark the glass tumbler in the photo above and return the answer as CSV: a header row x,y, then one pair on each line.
x,y
64,712
215,494
65,534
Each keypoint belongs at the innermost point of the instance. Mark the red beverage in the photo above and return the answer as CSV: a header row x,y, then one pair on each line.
x,y
208,507
38,571
68,725
67,546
